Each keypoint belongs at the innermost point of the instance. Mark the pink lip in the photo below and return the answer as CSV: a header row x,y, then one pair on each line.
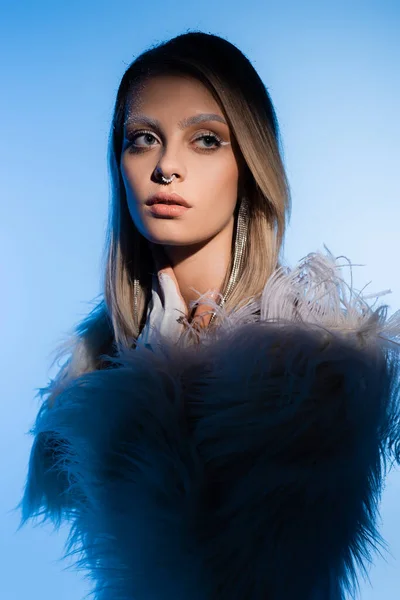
x,y
167,210
171,199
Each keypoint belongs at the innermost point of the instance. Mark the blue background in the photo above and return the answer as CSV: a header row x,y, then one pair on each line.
x,y
332,70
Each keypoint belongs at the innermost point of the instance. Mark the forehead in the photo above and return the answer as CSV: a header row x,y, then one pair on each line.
x,y
160,92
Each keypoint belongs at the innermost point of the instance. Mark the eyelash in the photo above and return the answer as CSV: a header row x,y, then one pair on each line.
x,y
135,149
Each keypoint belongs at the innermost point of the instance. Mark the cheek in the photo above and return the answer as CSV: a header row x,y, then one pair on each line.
x,y
129,178
135,191
131,183
223,180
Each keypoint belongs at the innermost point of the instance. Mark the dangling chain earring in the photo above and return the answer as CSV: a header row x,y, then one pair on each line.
x,y
240,244
135,301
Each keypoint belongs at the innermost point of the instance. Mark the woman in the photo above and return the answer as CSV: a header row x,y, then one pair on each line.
x,y
221,426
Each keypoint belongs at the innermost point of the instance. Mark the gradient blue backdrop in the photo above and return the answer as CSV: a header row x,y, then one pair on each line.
x,y
332,70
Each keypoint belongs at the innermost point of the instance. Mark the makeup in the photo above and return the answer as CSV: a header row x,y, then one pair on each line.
x,y
167,210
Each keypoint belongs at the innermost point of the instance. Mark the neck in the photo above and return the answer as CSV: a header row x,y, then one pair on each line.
x,y
201,266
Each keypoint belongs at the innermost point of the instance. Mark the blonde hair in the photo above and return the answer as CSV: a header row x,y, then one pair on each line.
x,y
251,117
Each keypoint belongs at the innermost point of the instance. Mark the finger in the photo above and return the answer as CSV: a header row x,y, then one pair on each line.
x,y
161,262
156,298
173,300
163,267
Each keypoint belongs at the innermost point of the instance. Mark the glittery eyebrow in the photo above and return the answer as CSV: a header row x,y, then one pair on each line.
x,y
135,118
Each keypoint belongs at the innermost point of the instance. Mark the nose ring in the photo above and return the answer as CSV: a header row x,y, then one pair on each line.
x,y
165,180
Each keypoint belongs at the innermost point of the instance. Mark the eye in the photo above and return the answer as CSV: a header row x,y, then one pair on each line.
x,y
211,141
209,138
148,137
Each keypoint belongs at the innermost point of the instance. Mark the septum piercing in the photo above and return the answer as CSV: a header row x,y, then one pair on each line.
x,y
165,180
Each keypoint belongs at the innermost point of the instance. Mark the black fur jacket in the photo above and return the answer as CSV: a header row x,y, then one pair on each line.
x,y
247,466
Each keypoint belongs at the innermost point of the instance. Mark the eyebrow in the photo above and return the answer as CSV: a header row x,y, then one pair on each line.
x,y
183,124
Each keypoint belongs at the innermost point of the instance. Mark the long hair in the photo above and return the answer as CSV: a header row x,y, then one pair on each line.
x,y
248,109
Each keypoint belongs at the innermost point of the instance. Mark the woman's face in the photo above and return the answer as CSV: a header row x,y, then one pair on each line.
x,y
198,153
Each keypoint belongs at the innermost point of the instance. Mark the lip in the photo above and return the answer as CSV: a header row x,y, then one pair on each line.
x,y
167,210
172,199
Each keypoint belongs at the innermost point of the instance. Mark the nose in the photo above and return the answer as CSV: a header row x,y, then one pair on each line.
x,y
159,176
170,165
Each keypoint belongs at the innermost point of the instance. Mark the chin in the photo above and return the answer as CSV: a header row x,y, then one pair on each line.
x,y
171,241
171,236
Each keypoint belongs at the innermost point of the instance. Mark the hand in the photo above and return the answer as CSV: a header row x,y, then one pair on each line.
x,y
166,304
